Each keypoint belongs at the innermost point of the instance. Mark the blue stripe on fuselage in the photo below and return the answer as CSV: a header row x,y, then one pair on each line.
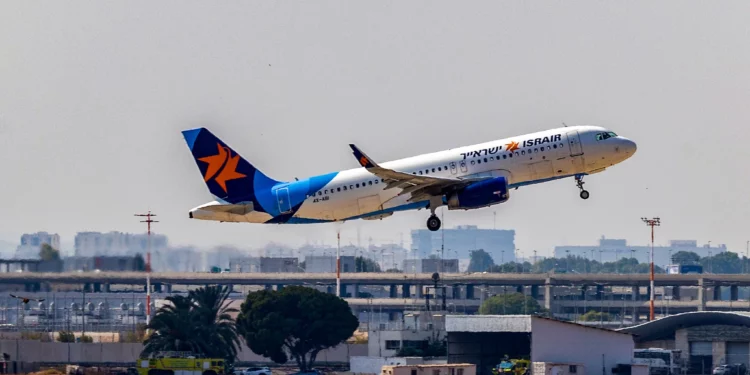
x,y
298,192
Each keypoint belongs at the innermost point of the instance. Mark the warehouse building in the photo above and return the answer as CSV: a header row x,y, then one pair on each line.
x,y
486,339
702,339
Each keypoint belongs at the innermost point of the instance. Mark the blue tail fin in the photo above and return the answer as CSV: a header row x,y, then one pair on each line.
x,y
228,176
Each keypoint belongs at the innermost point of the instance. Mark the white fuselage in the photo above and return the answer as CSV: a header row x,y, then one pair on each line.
x,y
523,160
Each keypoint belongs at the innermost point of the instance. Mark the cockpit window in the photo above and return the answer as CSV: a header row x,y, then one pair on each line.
x,y
603,136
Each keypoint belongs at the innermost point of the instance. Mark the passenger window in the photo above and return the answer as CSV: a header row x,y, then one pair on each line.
x,y
439,169
344,187
376,182
426,171
420,173
523,152
554,146
479,161
369,182
382,180
517,153
505,156
433,170
472,162
339,189
351,187
446,167
510,155
326,192
485,160
357,185
320,193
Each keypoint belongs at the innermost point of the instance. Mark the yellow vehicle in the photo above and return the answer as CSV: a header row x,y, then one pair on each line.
x,y
179,363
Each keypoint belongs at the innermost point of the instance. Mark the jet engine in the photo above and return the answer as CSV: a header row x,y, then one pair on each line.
x,y
480,194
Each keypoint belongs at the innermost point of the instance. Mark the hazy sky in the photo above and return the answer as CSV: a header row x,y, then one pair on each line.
x,y
93,96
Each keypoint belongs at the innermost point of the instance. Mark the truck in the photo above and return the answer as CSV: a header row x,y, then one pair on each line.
x,y
660,361
180,363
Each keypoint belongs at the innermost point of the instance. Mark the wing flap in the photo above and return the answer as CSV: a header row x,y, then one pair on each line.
x,y
419,186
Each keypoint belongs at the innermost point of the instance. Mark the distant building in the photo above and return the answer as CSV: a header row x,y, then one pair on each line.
x,y
31,242
460,241
244,264
431,265
102,263
323,264
609,250
280,265
117,243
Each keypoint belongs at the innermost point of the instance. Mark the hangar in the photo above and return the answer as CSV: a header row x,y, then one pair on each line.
x,y
705,339
485,339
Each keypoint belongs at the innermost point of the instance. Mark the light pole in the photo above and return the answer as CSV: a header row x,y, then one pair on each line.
x,y
655,222
148,221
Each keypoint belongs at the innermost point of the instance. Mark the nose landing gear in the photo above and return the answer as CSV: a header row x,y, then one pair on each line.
x,y
579,182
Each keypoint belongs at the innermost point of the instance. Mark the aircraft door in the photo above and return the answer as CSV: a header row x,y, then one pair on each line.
x,y
454,170
282,197
463,166
574,143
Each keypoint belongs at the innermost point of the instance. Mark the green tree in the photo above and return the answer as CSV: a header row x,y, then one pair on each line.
x,y
685,257
296,321
362,264
510,304
66,336
212,312
724,262
480,261
48,253
597,316
198,323
173,328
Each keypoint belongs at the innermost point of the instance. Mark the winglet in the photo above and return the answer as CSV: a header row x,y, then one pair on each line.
x,y
363,159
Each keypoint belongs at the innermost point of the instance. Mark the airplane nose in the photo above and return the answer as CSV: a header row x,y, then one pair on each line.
x,y
628,146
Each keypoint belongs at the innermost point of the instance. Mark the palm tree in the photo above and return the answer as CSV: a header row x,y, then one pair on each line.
x,y
173,327
217,331
200,323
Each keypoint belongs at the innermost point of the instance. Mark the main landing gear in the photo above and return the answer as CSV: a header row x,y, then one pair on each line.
x,y
579,183
433,222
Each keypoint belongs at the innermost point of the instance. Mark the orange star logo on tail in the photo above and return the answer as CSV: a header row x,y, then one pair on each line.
x,y
512,146
223,158
363,161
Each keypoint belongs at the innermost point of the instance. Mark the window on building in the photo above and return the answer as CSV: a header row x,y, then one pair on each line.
x,y
572,369
460,371
392,345
413,372
436,372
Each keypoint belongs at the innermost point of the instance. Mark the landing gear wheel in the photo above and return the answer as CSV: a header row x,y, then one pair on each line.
x,y
433,223
579,183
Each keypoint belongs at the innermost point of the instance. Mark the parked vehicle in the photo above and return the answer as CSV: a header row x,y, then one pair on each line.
x,y
257,371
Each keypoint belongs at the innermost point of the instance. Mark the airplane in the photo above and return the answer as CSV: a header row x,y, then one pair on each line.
x,y
463,178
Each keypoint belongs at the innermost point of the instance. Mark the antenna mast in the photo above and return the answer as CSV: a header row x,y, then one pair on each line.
x,y
148,222
655,222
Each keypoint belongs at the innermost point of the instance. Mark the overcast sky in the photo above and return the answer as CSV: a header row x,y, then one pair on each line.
x,y
93,96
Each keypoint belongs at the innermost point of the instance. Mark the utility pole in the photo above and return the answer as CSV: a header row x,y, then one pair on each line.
x,y
148,222
338,264
655,222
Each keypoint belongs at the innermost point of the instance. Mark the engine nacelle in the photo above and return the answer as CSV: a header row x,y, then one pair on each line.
x,y
480,194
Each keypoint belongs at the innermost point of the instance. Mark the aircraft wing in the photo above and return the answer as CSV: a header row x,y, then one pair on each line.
x,y
420,187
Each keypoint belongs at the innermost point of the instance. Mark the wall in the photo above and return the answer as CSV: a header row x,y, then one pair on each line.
x,y
553,341
543,368
57,352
